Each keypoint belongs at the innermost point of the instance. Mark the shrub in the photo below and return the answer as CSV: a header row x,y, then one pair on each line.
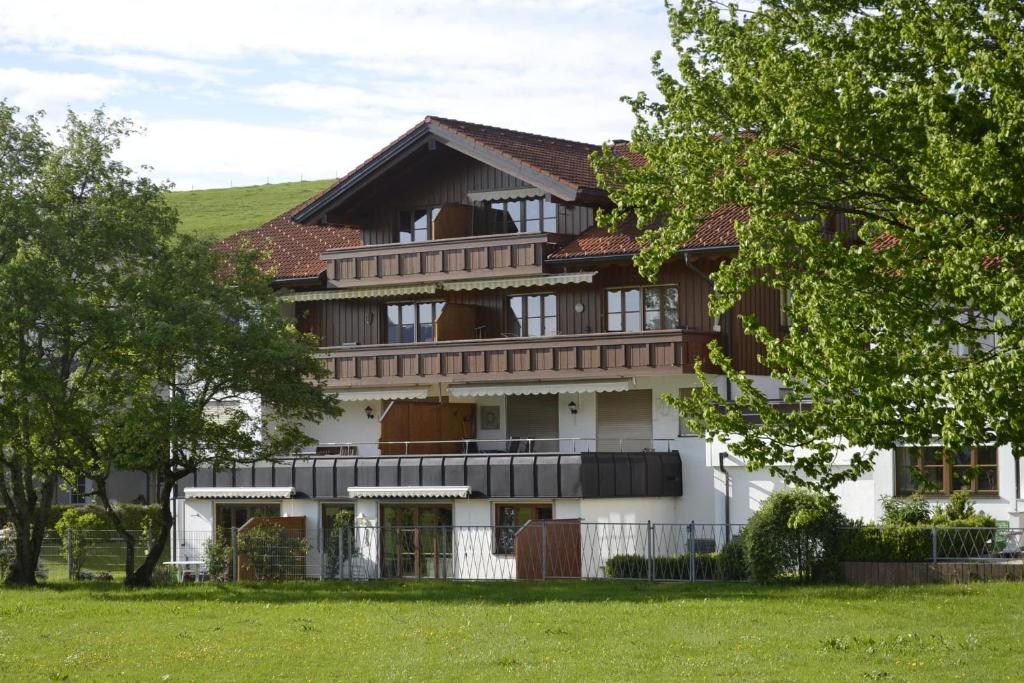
x,y
908,511
339,519
794,532
732,560
270,551
666,567
73,527
885,544
7,550
135,516
217,556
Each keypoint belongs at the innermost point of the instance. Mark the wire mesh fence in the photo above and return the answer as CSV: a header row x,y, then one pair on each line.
x,y
538,550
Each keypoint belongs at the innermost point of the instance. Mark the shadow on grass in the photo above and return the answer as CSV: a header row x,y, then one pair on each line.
x,y
495,592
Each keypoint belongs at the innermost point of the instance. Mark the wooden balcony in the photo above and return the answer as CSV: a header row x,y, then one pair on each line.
x,y
455,258
608,354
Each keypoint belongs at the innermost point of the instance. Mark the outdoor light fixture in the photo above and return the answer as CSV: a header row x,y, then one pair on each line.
x,y
369,413
572,407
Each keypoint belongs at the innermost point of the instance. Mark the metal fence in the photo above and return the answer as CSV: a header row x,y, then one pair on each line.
x,y
549,549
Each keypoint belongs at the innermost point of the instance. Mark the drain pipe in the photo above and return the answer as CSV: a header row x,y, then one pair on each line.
x,y
726,321
728,494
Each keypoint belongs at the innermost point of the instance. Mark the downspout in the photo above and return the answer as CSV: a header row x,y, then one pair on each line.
x,y
726,321
728,494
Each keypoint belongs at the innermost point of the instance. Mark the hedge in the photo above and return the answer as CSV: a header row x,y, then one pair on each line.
x,y
134,516
709,566
967,540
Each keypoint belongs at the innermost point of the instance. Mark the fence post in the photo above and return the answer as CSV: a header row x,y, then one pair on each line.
x,y
70,551
234,553
444,552
691,546
544,551
935,545
650,551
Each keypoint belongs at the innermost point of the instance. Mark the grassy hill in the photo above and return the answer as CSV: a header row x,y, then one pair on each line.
x,y
222,212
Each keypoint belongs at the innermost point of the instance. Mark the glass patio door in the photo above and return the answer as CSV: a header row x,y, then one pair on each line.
x,y
416,541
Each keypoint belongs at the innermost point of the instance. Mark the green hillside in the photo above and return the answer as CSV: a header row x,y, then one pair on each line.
x,y
222,212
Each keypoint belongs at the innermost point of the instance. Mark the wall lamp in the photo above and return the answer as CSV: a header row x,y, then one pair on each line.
x,y
369,413
572,407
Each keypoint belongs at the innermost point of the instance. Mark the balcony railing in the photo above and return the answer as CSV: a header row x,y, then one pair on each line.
x,y
607,354
511,445
436,260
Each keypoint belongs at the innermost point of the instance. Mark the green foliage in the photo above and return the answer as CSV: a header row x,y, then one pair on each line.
x,y
7,550
271,552
909,510
73,528
666,567
217,556
794,533
876,149
885,544
339,541
136,517
221,212
732,560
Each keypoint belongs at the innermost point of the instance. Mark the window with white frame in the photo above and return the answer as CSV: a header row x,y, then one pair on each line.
x,y
408,323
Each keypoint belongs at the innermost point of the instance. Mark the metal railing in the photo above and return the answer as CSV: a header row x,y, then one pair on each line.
x,y
933,544
511,445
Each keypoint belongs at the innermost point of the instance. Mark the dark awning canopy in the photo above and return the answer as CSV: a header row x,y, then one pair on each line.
x,y
575,475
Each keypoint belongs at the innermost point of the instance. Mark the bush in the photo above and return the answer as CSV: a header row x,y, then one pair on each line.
x,y
666,567
885,544
135,516
732,560
217,556
909,511
270,551
340,519
7,550
73,527
794,532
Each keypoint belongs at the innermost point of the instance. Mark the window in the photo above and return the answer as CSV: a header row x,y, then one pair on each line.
x,y
785,301
508,519
523,215
78,496
642,308
684,430
412,322
235,515
933,469
417,225
532,315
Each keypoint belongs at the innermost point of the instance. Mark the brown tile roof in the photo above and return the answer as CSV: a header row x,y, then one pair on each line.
x,y
564,160
294,248
716,231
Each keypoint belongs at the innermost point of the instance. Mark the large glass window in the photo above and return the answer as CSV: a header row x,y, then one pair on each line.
x,y
933,469
523,215
532,315
417,225
235,515
508,519
642,308
412,322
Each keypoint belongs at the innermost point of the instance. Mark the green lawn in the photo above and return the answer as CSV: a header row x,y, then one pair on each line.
x,y
222,212
595,631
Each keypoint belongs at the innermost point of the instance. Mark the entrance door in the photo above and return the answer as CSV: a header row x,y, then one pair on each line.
x,y
416,541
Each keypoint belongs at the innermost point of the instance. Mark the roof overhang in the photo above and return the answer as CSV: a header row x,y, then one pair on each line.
x,y
409,491
533,388
360,293
241,492
382,394
525,281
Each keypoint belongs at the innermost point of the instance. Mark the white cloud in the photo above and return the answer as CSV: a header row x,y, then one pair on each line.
x,y
33,90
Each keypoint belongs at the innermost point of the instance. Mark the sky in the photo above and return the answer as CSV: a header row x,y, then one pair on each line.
x,y
242,93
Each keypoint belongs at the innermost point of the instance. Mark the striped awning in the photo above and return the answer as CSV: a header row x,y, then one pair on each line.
x,y
510,193
471,390
243,492
360,293
409,491
382,394
524,281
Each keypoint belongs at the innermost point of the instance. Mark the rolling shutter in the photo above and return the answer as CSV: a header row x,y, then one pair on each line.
x,y
534,417
624,421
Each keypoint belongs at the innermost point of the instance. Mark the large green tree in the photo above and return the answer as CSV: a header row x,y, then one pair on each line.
x,y
75,228
877,147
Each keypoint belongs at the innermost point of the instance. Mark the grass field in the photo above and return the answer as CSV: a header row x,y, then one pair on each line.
x,y
222,212
594,631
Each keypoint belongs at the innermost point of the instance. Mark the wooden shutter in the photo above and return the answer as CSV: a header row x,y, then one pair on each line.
x,y
625,416
534,417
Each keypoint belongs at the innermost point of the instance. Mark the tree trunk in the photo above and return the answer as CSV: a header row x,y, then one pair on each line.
x,y
29,510
143,576
115,519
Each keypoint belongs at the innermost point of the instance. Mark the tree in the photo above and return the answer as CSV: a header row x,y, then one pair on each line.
x,y
876,148
211,374
75,229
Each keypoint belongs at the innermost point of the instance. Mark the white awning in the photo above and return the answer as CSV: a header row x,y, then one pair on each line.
x,y
524,281
239,492
382,394
470,390
360,293
409,491
510,193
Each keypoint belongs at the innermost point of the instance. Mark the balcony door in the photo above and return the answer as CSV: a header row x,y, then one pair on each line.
x,y
429,427
625,421
416,541
534,417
